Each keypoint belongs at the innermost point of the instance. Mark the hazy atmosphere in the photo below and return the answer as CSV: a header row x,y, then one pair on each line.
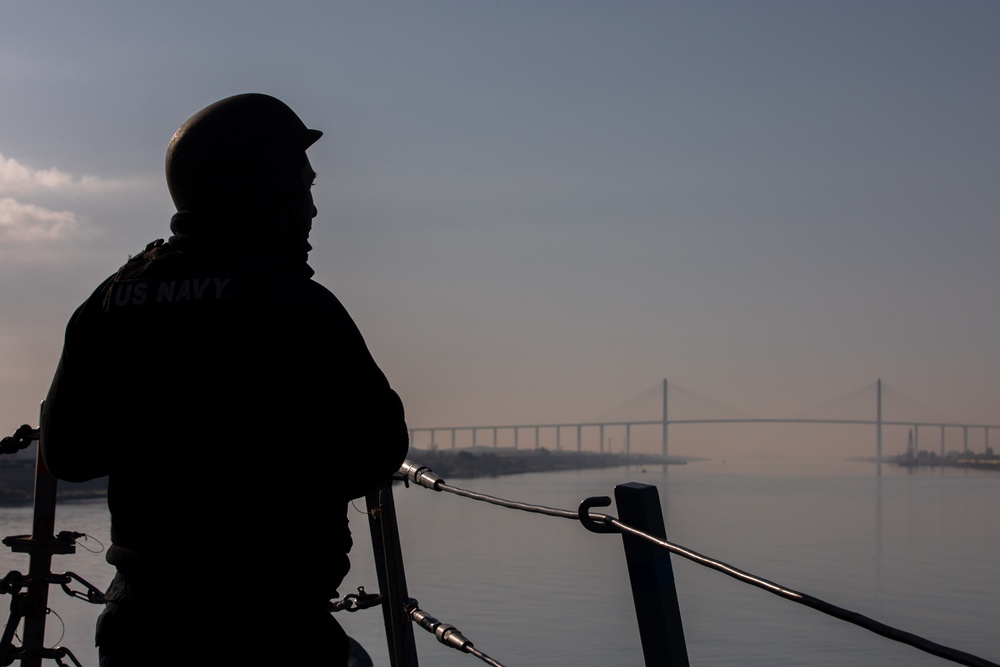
x,y
536,211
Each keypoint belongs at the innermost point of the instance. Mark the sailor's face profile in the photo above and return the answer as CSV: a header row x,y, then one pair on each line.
x,y
307,209
298,207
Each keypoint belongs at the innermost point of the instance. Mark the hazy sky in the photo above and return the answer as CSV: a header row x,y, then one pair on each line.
x,y
536,210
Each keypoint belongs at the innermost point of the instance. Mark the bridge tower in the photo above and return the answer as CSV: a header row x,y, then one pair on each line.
x,y
878,428
665,419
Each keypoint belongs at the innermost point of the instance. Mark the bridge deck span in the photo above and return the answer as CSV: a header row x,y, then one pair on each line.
x,y
665,422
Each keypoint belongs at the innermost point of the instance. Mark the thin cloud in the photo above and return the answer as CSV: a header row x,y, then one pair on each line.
x,y
19,179
28,223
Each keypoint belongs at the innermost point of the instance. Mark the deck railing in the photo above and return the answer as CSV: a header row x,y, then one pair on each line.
x,y
647,554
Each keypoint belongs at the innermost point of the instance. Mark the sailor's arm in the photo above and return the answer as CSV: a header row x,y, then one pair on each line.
x,y
378,443
73,429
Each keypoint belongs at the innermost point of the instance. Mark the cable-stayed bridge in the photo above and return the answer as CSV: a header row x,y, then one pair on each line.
x,y
666,404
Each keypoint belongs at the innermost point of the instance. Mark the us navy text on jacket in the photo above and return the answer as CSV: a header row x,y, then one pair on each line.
x,y
170,291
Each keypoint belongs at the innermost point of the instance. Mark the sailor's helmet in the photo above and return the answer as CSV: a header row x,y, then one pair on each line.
x,y
240,152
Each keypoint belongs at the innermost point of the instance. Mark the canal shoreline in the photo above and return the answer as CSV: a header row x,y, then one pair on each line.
x,y
17,477
494,462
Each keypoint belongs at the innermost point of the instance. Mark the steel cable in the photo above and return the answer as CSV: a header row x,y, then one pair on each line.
x,y
423,476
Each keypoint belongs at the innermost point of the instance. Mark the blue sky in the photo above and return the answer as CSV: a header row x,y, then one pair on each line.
x,y
535,210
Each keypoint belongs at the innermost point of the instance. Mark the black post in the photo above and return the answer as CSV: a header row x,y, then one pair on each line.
x,y
40,567
391,578
652,577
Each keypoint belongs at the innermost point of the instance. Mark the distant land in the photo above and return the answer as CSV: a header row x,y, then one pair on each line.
x,y
17,484
17,476
928,459
493,462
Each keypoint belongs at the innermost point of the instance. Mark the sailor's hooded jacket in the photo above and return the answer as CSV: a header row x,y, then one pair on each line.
x,y
236,409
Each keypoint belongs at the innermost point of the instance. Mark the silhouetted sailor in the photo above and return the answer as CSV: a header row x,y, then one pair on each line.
x,y
234,406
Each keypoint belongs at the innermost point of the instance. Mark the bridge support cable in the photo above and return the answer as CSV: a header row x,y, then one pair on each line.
x,y
596,522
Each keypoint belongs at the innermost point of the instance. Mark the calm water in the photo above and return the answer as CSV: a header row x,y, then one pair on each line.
x,y
920,552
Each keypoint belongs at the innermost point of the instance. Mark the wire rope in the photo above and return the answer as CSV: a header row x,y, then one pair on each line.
x,y
423,476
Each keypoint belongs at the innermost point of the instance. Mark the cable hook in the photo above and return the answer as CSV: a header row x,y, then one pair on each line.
x,y
588,521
